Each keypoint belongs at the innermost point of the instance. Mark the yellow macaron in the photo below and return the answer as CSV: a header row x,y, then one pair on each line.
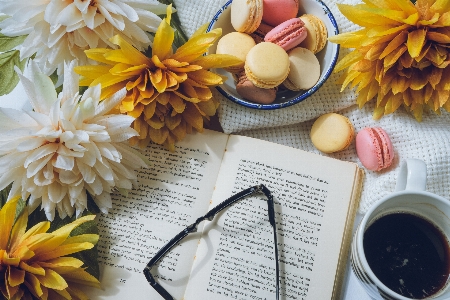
x,y
267,65
317,33
332,132
237,44
246,15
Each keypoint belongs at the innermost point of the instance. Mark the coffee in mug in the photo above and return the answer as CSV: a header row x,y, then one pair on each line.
x,y
401,248
408,254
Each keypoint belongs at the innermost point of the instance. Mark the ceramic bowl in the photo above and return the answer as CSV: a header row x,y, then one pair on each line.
x,y
327,56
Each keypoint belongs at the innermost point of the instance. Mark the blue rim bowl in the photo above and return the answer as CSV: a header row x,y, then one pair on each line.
x,y
327,57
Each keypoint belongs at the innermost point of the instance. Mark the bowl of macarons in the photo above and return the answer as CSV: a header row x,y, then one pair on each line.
x,y
284,48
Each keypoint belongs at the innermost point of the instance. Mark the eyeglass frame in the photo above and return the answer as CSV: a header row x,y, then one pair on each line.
x,y
210,216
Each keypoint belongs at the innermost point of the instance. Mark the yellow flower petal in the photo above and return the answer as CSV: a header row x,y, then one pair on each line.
x,y
205,77
15,276
127,53
438,37
196,46
441,6
193,117
59,236
367,16
172,122
90,238
348,60
209,108
416,41
98,54
52,280
32,269
394,44
158,135
92,71
63,250
162,45
82,277
18,230
7,214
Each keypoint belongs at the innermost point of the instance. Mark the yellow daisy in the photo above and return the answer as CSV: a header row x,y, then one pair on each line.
x,y
168,93
401,54
34,263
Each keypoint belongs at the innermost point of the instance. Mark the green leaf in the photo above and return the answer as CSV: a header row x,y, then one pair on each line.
x,y
7,42
180,37
8,76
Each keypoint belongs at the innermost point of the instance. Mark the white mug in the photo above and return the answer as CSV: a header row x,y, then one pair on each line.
x,y
410,197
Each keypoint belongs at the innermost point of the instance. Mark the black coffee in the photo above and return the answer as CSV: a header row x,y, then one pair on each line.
x,y
408,254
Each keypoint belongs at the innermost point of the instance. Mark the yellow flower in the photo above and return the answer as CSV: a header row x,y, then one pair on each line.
x,y
401,54
34,263
168,93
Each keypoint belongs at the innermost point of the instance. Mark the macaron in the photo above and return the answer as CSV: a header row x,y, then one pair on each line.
x,y
374,148
246,15
332,132
317,33
237,44
288,34
304,70
247,90
260,33
267,65
276,12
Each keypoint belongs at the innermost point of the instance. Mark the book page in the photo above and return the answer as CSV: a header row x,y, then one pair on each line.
x,y
173,192
235,258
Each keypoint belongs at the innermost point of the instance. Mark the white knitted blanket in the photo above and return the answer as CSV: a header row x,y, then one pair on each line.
x,y
428,140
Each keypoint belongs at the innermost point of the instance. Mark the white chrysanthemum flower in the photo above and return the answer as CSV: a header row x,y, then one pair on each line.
x,y
66,146
60,30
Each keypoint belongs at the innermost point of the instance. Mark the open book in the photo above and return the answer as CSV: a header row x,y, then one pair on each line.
x,y
231,257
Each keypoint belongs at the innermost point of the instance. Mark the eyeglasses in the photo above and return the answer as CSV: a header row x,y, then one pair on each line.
x,y
210,216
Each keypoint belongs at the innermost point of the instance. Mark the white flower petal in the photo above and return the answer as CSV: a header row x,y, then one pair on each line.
x,y
40,153
41,120
108,151
86,171
127,10
31,144
40,180
12,160
34,167
91,40
8,176
76,191
64,162
44,90
70,15
103,202
13,118
106,105
56,192
96,187
104,170
114,123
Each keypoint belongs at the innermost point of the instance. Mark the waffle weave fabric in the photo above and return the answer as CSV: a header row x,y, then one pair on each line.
x,y
428,140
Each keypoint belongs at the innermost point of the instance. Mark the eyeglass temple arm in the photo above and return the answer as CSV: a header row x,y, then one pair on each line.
x,y
209,216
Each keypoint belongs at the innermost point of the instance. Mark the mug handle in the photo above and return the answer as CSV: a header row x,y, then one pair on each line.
x,y
412,175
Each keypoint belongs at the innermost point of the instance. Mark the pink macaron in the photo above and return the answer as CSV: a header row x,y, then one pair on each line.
x,y
288,34
374,148
276,12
